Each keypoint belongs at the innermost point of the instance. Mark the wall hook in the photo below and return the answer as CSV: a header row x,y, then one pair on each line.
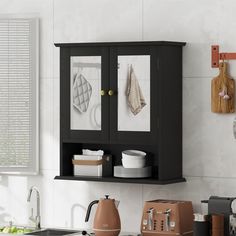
x,y
216,56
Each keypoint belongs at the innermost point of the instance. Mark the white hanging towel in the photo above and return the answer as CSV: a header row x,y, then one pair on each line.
x,y
134,93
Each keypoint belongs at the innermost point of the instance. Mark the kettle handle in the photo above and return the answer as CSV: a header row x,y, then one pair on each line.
x,y
89,209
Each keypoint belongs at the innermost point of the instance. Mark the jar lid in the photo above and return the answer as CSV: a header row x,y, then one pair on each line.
x,y
200,217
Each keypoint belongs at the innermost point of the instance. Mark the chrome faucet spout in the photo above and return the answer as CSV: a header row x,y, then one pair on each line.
x,y
37,218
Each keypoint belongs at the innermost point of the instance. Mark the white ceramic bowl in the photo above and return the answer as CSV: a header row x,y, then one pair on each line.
x,y
133,154
133,162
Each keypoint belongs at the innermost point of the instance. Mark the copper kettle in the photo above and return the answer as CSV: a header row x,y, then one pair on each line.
x,y
107,219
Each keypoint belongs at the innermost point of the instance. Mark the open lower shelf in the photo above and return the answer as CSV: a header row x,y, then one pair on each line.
x,y
121,180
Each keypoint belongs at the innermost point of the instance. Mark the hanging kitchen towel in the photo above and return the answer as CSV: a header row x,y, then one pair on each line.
x,y
134,93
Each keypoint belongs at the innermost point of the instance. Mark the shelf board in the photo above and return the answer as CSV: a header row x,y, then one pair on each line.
x,y
121,180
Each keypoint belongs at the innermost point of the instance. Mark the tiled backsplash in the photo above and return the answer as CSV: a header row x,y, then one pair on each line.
x,y
209,147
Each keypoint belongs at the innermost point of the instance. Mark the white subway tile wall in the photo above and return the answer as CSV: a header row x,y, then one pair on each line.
x,y
209,148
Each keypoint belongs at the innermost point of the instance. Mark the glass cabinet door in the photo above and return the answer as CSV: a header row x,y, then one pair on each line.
x,y
132,107
85,105
133,84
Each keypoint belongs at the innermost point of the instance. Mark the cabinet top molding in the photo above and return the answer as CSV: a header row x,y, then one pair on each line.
x,y
125,43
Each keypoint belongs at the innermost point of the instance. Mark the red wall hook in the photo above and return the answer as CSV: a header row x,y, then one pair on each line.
x,y
216,56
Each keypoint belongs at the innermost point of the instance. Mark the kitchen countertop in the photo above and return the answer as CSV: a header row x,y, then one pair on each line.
x,y
77,234
121,234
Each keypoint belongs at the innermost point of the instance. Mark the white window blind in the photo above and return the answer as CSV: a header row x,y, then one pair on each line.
x,y
18,96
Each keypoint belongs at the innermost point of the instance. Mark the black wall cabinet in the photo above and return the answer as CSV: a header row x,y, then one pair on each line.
x,y
93,105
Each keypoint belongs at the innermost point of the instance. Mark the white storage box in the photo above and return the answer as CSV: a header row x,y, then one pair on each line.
x,y
87,165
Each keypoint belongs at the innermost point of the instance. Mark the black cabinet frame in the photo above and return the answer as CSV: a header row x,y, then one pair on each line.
x,y
164,141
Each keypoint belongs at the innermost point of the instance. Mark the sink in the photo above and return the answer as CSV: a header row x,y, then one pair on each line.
x,y
52,232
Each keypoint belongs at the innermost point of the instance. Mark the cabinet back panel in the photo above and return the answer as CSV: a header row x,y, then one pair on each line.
x,y
69,149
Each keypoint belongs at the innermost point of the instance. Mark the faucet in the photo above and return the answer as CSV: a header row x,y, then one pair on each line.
x,y
35,219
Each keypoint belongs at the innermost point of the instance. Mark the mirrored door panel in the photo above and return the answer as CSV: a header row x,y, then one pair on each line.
x,y
133,93
85,96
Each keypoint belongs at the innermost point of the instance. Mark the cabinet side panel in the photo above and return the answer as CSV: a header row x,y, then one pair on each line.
x,y
170,112
64,93
68,150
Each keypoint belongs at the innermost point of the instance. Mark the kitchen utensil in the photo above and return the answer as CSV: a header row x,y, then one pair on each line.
x,y
107,219
201,226
222,206
121,172
133,153
133,163
217,222
167,218
222,91
131,158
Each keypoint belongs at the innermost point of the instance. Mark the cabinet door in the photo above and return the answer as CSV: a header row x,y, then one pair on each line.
x,y
84,109
133,106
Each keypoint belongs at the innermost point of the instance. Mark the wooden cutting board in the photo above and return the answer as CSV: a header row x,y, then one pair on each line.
x,y
222,91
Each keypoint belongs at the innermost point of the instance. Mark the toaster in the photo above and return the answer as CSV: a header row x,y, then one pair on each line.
x,y
167,218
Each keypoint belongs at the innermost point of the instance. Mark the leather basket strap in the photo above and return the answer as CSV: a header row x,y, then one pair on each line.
x,y
87,162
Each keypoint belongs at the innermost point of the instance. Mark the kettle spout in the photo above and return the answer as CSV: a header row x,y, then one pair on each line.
x,y
117,203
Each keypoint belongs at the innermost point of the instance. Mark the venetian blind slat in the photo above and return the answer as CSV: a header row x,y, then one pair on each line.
x,y
15,93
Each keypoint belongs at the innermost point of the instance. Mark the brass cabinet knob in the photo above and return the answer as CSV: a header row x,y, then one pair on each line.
x,y
103,92
110,92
